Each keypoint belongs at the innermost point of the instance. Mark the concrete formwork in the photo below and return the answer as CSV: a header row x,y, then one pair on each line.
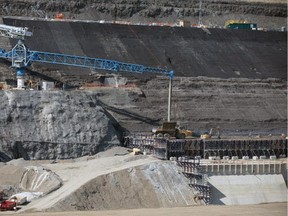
x,y
236,182
166,148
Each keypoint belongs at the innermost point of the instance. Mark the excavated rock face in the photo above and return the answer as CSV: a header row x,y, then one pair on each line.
x,y
49,125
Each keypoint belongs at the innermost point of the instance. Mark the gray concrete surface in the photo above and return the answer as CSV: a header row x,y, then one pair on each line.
x,y
247,189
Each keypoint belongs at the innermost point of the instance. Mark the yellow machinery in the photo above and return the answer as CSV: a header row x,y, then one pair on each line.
x,y
3,85
170,129
32,84
210,134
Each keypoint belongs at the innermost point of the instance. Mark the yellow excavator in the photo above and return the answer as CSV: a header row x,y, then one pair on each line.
x,y
211,133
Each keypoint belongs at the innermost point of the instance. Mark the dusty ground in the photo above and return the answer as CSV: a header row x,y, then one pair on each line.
x,y
275,209
110,180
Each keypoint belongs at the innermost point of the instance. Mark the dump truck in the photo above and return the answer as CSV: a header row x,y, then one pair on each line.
x,y
171,129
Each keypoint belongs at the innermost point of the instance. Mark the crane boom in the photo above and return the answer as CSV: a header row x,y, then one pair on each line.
x,y
21,57
14,32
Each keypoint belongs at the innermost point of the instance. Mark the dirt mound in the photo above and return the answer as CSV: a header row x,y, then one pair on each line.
x,y
158,184
38,179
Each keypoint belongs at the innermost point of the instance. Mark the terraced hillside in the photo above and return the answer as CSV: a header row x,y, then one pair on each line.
x,y
234,79
269,14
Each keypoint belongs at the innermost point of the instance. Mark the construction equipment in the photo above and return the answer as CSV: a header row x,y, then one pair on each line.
x,y
7,205
22,57
171,129
59,16
211,133
239,24
14,32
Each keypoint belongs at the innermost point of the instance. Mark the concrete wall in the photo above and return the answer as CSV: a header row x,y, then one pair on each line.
x,y
247,189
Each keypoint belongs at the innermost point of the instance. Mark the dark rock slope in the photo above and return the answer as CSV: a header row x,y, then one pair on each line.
x,y
50,125
229,78
188,51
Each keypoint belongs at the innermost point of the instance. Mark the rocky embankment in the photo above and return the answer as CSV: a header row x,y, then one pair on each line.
x,y
69,124
50,125
214,13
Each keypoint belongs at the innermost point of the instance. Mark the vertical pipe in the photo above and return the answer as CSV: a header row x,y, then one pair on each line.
x,y
263,166
247,168
169,99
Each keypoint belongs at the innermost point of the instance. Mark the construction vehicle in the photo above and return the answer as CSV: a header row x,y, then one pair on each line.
x,y
59,16
239,24
211,133
7,205
171,130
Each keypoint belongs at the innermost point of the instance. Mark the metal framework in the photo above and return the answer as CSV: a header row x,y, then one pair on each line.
x,y
21,57
14,32
165,148
191,169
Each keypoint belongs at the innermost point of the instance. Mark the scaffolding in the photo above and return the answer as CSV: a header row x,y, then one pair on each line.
x,y
198,179
165,148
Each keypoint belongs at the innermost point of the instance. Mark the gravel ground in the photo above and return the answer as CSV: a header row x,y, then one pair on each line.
x,y
275,209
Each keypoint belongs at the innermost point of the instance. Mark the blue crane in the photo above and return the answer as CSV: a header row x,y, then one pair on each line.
x,y
21,57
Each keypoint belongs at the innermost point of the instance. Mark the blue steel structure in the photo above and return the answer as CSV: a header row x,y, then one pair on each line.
x,y
22,57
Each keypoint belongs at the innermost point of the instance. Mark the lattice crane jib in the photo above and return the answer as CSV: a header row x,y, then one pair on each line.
x,y
22,57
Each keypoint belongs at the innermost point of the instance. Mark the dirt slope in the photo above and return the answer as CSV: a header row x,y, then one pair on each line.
x,y
115,182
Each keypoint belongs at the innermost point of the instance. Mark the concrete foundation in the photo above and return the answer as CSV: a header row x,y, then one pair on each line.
x,y
247,189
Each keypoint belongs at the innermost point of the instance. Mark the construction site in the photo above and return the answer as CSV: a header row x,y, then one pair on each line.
x,y
143,108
